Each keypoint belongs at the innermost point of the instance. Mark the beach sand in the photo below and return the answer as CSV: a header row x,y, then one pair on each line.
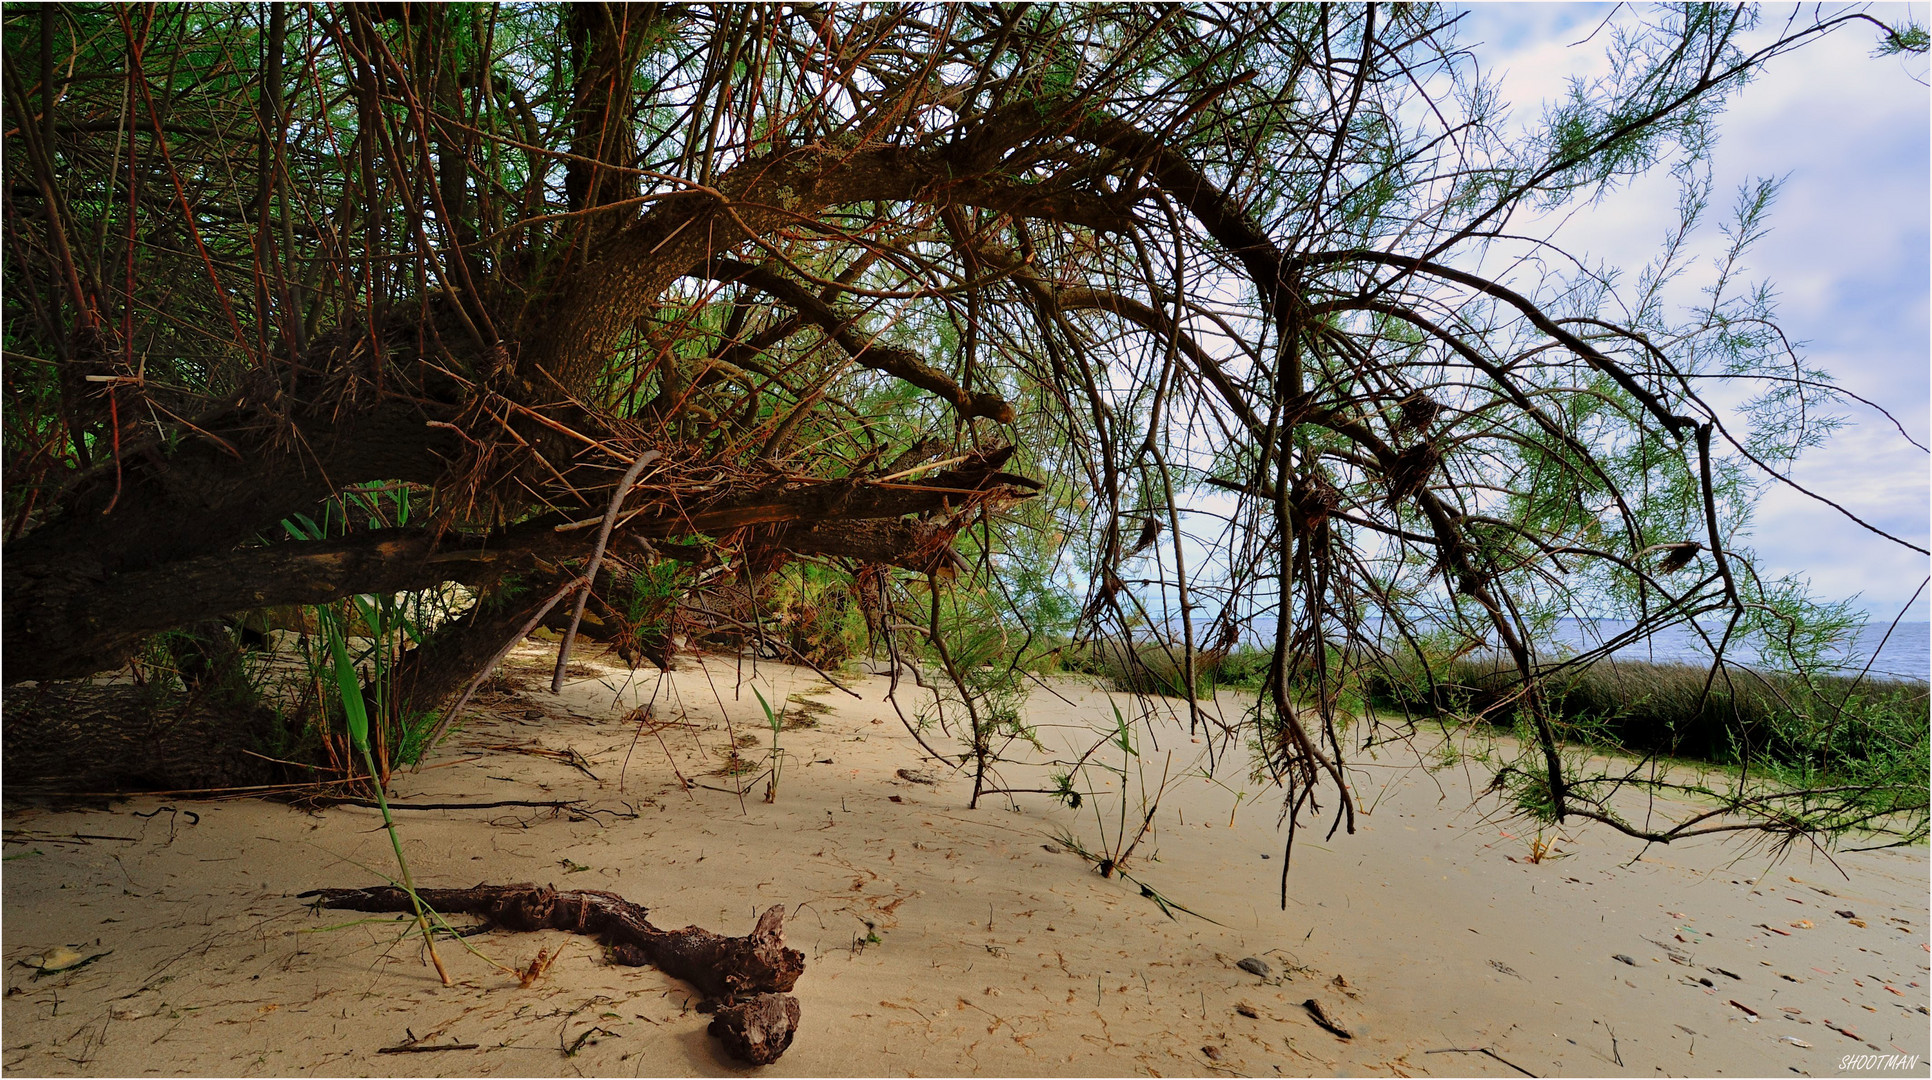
x,y
943,940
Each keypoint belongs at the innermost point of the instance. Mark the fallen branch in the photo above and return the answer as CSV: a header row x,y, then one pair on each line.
x,y
747,977
54,625
589,577
544,804
415,1048
1483,1050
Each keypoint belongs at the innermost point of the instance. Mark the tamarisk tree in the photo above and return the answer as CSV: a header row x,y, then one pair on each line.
x,y
884,288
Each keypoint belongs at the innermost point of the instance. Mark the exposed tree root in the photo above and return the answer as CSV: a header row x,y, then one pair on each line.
x,y
757,1029
746,978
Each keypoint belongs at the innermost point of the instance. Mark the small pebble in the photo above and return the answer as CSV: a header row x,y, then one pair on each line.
x,y
1254,965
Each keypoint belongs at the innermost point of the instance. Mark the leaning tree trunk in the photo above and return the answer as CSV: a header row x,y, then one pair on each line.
x,y
461,651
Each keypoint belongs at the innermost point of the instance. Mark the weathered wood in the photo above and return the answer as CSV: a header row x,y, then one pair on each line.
x,y
64,624
757,1030
747,978
203,497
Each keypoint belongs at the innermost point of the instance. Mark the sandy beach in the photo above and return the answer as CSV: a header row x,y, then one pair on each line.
x,y
942,940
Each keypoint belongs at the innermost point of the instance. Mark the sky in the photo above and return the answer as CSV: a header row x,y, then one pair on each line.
x,y
1849,255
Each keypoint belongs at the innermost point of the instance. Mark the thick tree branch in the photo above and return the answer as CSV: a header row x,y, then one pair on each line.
x,y
890,359
759,198
59,623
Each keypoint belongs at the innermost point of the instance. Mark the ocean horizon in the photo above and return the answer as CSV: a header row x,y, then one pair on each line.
x,y
1881,650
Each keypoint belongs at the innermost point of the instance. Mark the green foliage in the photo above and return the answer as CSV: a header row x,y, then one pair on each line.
x,y
1789,731
981,699
1906,37
774,719
645,602
384,626
1156,667
356,714
810,607
349,684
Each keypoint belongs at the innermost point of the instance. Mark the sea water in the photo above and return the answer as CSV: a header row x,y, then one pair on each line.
x,y
1884,651
1880,651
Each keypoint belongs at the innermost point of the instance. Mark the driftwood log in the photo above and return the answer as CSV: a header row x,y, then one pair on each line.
x,y
743,979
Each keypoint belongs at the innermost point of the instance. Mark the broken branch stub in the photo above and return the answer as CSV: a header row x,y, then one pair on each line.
x,y
758,1029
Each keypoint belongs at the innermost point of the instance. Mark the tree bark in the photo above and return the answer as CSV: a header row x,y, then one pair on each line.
x,y
592,311
65,622
68,619
205,496
453,655
119,737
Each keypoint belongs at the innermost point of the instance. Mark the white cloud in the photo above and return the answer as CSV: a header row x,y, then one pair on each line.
x,y
1848,254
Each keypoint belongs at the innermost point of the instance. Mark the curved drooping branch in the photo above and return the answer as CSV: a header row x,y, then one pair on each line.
x,y
1221,216
1676,424
755,199
892,360
1452,547
1285,286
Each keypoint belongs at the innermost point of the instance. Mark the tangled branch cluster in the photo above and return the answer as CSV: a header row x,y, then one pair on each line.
x,y
1240,292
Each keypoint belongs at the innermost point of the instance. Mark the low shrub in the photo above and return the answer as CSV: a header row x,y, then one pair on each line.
x,y
1830,725
1154,666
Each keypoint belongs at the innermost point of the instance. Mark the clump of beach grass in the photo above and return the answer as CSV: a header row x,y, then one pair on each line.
x,y
1795,730
1157,666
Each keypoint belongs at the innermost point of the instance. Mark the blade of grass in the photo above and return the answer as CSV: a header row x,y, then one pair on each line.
x,y
357,717
776,721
